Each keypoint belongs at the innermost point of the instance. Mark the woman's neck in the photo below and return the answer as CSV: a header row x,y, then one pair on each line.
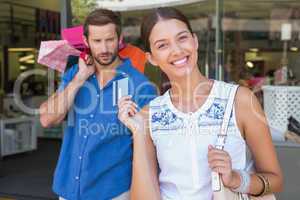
x,y
187,88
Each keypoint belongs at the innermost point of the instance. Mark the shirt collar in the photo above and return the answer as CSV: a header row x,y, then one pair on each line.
x,y
122,70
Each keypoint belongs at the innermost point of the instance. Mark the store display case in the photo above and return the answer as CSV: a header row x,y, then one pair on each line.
x,y
17,135
280,103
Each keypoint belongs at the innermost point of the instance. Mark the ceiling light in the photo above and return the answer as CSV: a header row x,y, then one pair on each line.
x,y
25,58
294,48
29,62
23,67
249,64
254,49
20,49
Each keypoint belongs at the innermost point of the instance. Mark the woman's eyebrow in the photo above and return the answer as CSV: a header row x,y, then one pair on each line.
x,y
162,40
182,32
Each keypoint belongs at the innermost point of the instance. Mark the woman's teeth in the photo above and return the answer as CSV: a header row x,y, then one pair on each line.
x,y
181,61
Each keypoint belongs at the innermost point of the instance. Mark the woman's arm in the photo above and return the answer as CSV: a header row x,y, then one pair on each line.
x,y
144,183
253,125
145,170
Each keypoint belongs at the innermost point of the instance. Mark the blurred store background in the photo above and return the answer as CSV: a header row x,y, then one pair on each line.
x,y
255,43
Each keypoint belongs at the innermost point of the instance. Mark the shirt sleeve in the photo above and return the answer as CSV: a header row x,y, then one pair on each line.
x,y
145,93
67,77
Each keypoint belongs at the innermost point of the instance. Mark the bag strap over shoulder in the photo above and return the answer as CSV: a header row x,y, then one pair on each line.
x,y
216,181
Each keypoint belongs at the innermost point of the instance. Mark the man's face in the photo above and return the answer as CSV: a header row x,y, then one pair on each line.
x,y
103,43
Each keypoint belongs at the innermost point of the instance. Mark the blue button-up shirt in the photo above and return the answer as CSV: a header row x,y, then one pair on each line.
x,y
95,161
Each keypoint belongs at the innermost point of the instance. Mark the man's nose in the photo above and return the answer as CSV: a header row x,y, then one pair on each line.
x,y
103,47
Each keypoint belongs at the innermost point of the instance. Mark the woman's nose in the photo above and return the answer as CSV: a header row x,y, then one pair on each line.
x,y
176,49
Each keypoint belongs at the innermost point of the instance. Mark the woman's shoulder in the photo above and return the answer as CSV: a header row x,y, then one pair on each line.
x,y
222,89
245,96
159,100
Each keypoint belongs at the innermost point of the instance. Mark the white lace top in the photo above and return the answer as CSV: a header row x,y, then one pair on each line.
x,y
182,139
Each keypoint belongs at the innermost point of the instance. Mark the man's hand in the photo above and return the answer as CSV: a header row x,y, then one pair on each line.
x,y
84,72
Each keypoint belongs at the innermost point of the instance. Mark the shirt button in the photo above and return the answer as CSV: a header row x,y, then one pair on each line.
x,y
85,137
91,115
80,158
98,95
77,177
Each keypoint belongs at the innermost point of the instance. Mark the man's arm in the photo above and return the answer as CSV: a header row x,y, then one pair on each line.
x,y
54,110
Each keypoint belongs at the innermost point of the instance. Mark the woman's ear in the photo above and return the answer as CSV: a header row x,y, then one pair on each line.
x,y
151,59
196,40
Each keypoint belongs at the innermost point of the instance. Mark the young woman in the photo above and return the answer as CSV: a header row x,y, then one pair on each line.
x,y
174,136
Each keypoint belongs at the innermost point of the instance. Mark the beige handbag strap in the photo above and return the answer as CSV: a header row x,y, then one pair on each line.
x,y
216,181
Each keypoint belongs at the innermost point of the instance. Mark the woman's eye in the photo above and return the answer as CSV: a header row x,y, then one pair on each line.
x,y
162,46
182,38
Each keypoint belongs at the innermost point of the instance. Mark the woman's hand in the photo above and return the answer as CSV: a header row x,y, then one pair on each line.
x,y
129,115
220,161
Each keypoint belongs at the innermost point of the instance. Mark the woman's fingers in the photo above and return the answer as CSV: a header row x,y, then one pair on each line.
x,y
127,103
221,170
219,160
124,99
218,156
218,163
128,110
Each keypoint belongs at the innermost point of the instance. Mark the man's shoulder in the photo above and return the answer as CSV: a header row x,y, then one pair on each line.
x,y
71,71
134,73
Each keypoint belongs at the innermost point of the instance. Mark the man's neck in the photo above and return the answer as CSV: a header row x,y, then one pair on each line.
x,y
111,67
106,73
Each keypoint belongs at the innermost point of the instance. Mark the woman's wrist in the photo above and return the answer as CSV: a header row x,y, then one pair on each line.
x,y
243,183
137,131
235,181
265,183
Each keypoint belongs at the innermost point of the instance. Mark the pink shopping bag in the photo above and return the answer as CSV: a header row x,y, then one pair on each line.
x,y
55,53
74,36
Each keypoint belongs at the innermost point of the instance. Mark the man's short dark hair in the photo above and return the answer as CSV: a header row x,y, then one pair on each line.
x,y
100,17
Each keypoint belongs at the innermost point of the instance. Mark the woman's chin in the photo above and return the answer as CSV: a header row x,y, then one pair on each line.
x,y
183,72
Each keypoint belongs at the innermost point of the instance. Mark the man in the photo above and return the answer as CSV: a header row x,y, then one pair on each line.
x,y
96,156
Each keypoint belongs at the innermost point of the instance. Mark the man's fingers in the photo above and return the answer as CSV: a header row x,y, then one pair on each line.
x,y
89,60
